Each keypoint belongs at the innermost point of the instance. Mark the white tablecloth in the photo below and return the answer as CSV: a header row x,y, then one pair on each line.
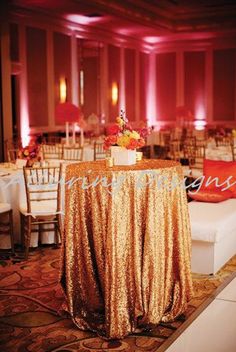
x,y
219,153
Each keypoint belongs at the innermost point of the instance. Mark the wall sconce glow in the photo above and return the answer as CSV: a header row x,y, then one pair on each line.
x,y
114,93
63,90
81,84
151,108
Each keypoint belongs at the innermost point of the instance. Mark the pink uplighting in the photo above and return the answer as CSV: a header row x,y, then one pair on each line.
x,y
200,111
200,116
199,124
151,91
24,121
25,129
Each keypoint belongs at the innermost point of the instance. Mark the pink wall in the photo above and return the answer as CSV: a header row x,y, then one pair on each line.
x,y
194,83
91,68
224,68
149,83
130,82
166,86
37,76
62,63
113,76
143,74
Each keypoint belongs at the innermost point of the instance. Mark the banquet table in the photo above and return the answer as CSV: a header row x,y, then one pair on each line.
x,y
126,246
219,153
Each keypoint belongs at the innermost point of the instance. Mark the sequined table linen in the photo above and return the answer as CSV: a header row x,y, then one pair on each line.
x,y
126,246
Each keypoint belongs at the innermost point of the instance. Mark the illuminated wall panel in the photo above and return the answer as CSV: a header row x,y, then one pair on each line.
x,y
113,77
36,53
224,62
143,76
194,83
91,85
166,86
62,63
130,83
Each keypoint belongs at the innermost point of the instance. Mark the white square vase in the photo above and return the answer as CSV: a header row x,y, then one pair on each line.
x,y
123,156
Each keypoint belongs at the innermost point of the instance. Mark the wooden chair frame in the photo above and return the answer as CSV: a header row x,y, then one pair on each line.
x,y
41,177
52,151
99,152
8,227
73,153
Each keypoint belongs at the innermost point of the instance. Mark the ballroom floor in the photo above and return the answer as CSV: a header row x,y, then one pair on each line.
x,y
206,332
32,318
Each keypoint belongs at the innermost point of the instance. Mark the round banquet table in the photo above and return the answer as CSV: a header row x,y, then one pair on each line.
x,y
126,247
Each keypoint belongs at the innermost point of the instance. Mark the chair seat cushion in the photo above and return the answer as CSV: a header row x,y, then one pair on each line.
x,y
43,208
211,222
4,207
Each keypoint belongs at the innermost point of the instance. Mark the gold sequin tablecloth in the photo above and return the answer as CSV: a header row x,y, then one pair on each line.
x,y
126,246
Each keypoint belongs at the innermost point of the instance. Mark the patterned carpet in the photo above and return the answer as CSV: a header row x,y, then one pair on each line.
x,y
30,297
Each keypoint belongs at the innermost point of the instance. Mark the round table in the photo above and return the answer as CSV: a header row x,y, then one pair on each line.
x,y
127,244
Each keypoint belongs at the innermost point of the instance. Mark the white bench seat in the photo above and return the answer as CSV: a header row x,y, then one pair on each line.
x,y
213,227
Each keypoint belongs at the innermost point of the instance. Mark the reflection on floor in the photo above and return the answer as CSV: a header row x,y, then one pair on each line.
x,y
215,328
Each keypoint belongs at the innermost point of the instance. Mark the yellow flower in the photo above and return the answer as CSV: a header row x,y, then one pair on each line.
x,y
123,141
134,135
120,121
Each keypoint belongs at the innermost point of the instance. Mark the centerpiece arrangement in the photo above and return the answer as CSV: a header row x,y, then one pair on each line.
x,y
123,141
30,153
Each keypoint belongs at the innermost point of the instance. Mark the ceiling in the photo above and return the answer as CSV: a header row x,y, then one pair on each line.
x,y
148,20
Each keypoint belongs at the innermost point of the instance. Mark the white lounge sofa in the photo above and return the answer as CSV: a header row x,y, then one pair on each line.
x,y
213,228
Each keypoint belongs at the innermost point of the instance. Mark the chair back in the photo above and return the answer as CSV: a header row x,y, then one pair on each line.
x,y
223,141
195,155
42,184
12,155
99,152
73,153
175,150
52,151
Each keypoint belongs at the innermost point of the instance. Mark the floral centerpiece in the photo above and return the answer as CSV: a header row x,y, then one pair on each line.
x,y
123,139
30,153
122,135
234,133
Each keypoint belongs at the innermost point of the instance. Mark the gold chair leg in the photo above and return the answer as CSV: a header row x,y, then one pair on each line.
x,y
59,226
27,237
11,231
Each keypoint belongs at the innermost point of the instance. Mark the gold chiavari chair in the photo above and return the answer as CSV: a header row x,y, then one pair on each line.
x,y
43,203
175,150
146,150
189,140
99,152
52,151
72,153
12,155
6,223
223,141
195,156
